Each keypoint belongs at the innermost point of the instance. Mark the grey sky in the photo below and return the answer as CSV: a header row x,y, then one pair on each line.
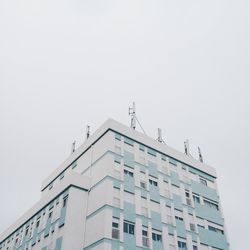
x,y
64,64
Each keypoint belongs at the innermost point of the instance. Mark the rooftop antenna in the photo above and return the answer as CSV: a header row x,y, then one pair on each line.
x,y
87,131
186,147
159,139
200,155
131,112
73,148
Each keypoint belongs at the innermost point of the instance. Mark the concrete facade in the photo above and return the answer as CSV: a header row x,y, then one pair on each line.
x,y
123,190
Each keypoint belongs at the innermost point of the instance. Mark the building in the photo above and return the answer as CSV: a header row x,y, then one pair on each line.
x,y
123,190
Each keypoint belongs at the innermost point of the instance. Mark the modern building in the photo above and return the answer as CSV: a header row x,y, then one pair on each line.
x,y
123,190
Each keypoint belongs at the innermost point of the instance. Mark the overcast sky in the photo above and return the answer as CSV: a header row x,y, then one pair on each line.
x,y
65,64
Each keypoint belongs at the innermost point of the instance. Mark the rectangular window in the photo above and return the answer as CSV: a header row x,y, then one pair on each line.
x,y
178,218
115,228
217,230
128,227
145,239
151,152
143,184
182,245
65,199
211,204
152,182
128,173
156,236
192,227
195,248
196,199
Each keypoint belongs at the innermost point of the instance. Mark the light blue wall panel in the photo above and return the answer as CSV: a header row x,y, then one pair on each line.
x,y
213,239
205,191
177,202
59,243
152,169
156,220
174,177
180,227
129,159
129,211
208,213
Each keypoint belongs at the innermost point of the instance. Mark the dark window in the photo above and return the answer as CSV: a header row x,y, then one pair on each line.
x,y
128,227
156,237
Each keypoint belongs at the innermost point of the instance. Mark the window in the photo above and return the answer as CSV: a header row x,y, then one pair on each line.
x,y
217,230
27,230
115,228
203,181
182,245
128,227
145,239
65,199
128,173
211,204
156,236
192,227
154,183
195,248
37,223
196,199
143,184
50,214
178,218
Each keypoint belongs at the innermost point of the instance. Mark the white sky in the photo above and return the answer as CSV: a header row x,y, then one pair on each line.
x,y
64,64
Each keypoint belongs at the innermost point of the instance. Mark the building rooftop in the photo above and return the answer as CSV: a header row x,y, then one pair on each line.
x,y
135,135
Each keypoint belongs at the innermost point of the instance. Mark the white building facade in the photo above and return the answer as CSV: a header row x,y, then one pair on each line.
x,y
123,190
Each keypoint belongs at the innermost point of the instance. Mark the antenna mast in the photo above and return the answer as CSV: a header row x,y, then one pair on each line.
x,y
87,131
186,147
73,148
200,155
159,139
131,112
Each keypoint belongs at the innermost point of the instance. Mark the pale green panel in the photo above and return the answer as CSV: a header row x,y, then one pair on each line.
x,y
204,191
129,211
151,151
152,169
128,141
129,159
157,245
154,193
129,241
213,239
59,243
177,202
156,220
174,178
129,184
200,173
208,213
180,227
